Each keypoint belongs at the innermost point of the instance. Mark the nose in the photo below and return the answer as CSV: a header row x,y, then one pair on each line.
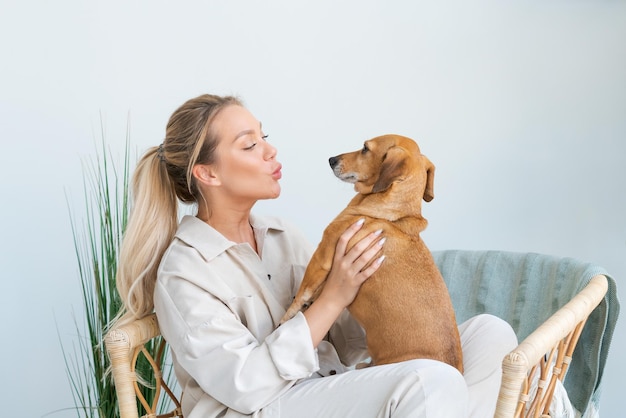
x,y
333,161
271,151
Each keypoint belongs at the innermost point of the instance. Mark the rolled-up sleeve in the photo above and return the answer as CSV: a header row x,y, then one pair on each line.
x,y
290,347
224,359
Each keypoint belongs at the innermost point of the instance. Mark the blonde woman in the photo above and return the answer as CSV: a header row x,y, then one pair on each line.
x,y
221,280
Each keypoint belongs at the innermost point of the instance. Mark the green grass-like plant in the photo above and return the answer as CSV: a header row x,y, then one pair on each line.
x,y
97,239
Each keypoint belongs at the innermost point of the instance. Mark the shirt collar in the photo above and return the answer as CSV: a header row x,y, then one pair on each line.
x,y
210,243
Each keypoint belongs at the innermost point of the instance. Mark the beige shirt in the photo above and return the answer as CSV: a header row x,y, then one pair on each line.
x,y
219,303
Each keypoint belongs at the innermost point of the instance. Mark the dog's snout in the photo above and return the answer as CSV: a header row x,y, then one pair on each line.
x,y
333,161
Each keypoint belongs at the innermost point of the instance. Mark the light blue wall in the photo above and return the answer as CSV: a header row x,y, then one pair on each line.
x,y
522,107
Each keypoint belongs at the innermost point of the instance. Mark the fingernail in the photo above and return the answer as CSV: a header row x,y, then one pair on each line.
x,y
380,231
360,221
380,259
382,241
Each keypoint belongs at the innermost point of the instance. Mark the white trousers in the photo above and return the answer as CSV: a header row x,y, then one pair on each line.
x,y
415,388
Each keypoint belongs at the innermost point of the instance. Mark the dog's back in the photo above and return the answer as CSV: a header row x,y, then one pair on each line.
x,y
405,306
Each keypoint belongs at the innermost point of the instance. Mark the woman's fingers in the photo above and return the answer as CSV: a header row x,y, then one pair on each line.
x,y
369,255
369,261
346,236
361,254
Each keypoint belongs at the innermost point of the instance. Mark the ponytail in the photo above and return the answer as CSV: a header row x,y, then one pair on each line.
x,y
151,226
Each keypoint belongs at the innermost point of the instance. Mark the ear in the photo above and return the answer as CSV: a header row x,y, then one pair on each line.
x,y
204,174
429,190
391,168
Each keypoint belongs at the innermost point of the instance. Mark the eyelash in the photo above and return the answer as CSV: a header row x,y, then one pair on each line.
x,y
263,137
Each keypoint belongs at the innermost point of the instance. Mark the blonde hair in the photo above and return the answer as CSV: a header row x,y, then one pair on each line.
x,y
162,178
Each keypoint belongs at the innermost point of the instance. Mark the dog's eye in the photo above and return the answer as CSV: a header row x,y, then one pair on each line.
x,y
365,149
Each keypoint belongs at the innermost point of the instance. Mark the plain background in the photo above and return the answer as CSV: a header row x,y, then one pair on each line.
x,y
520,105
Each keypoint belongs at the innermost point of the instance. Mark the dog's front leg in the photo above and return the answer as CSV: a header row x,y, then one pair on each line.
x,y
312,284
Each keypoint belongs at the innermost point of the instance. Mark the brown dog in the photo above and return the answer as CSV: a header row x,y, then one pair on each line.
x,y
404,307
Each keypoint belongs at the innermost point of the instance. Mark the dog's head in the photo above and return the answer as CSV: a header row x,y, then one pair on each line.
x,y
383,161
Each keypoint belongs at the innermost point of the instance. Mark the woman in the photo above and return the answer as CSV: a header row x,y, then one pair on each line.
x,y
221,280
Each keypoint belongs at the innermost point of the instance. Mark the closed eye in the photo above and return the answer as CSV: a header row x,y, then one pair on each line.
x,y
364,149
248,148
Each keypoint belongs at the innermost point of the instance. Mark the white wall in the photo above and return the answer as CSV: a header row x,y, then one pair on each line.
x,y
522,107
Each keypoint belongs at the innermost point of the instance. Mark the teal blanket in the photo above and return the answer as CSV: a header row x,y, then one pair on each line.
x,y
525,289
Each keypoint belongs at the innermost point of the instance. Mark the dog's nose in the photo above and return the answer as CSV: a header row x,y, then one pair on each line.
x,y
333,161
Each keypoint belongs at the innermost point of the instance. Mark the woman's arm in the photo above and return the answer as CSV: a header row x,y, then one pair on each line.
x,y
222,356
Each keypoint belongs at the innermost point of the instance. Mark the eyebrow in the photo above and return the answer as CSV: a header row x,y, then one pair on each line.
x,y
247,132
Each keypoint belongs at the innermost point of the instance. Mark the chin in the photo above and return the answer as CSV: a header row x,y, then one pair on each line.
x,y
276,192
272,194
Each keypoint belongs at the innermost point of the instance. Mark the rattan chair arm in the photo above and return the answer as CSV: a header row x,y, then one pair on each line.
x,y
120,344
517,364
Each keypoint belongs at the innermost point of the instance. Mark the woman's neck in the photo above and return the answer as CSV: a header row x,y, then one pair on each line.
x,y
234,225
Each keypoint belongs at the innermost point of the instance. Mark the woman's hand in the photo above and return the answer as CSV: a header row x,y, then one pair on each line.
x,y
348,272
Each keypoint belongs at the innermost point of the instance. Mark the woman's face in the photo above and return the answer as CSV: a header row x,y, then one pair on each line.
x,y
246,168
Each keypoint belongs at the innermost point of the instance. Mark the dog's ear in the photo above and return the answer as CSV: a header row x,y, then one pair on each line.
x,y
391,168
429,190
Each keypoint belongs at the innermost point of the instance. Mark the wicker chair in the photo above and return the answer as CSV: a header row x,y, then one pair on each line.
x,y
544,298
544,354
124,345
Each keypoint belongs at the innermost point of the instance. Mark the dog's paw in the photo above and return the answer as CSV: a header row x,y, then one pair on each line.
x,y
363,365
291,312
